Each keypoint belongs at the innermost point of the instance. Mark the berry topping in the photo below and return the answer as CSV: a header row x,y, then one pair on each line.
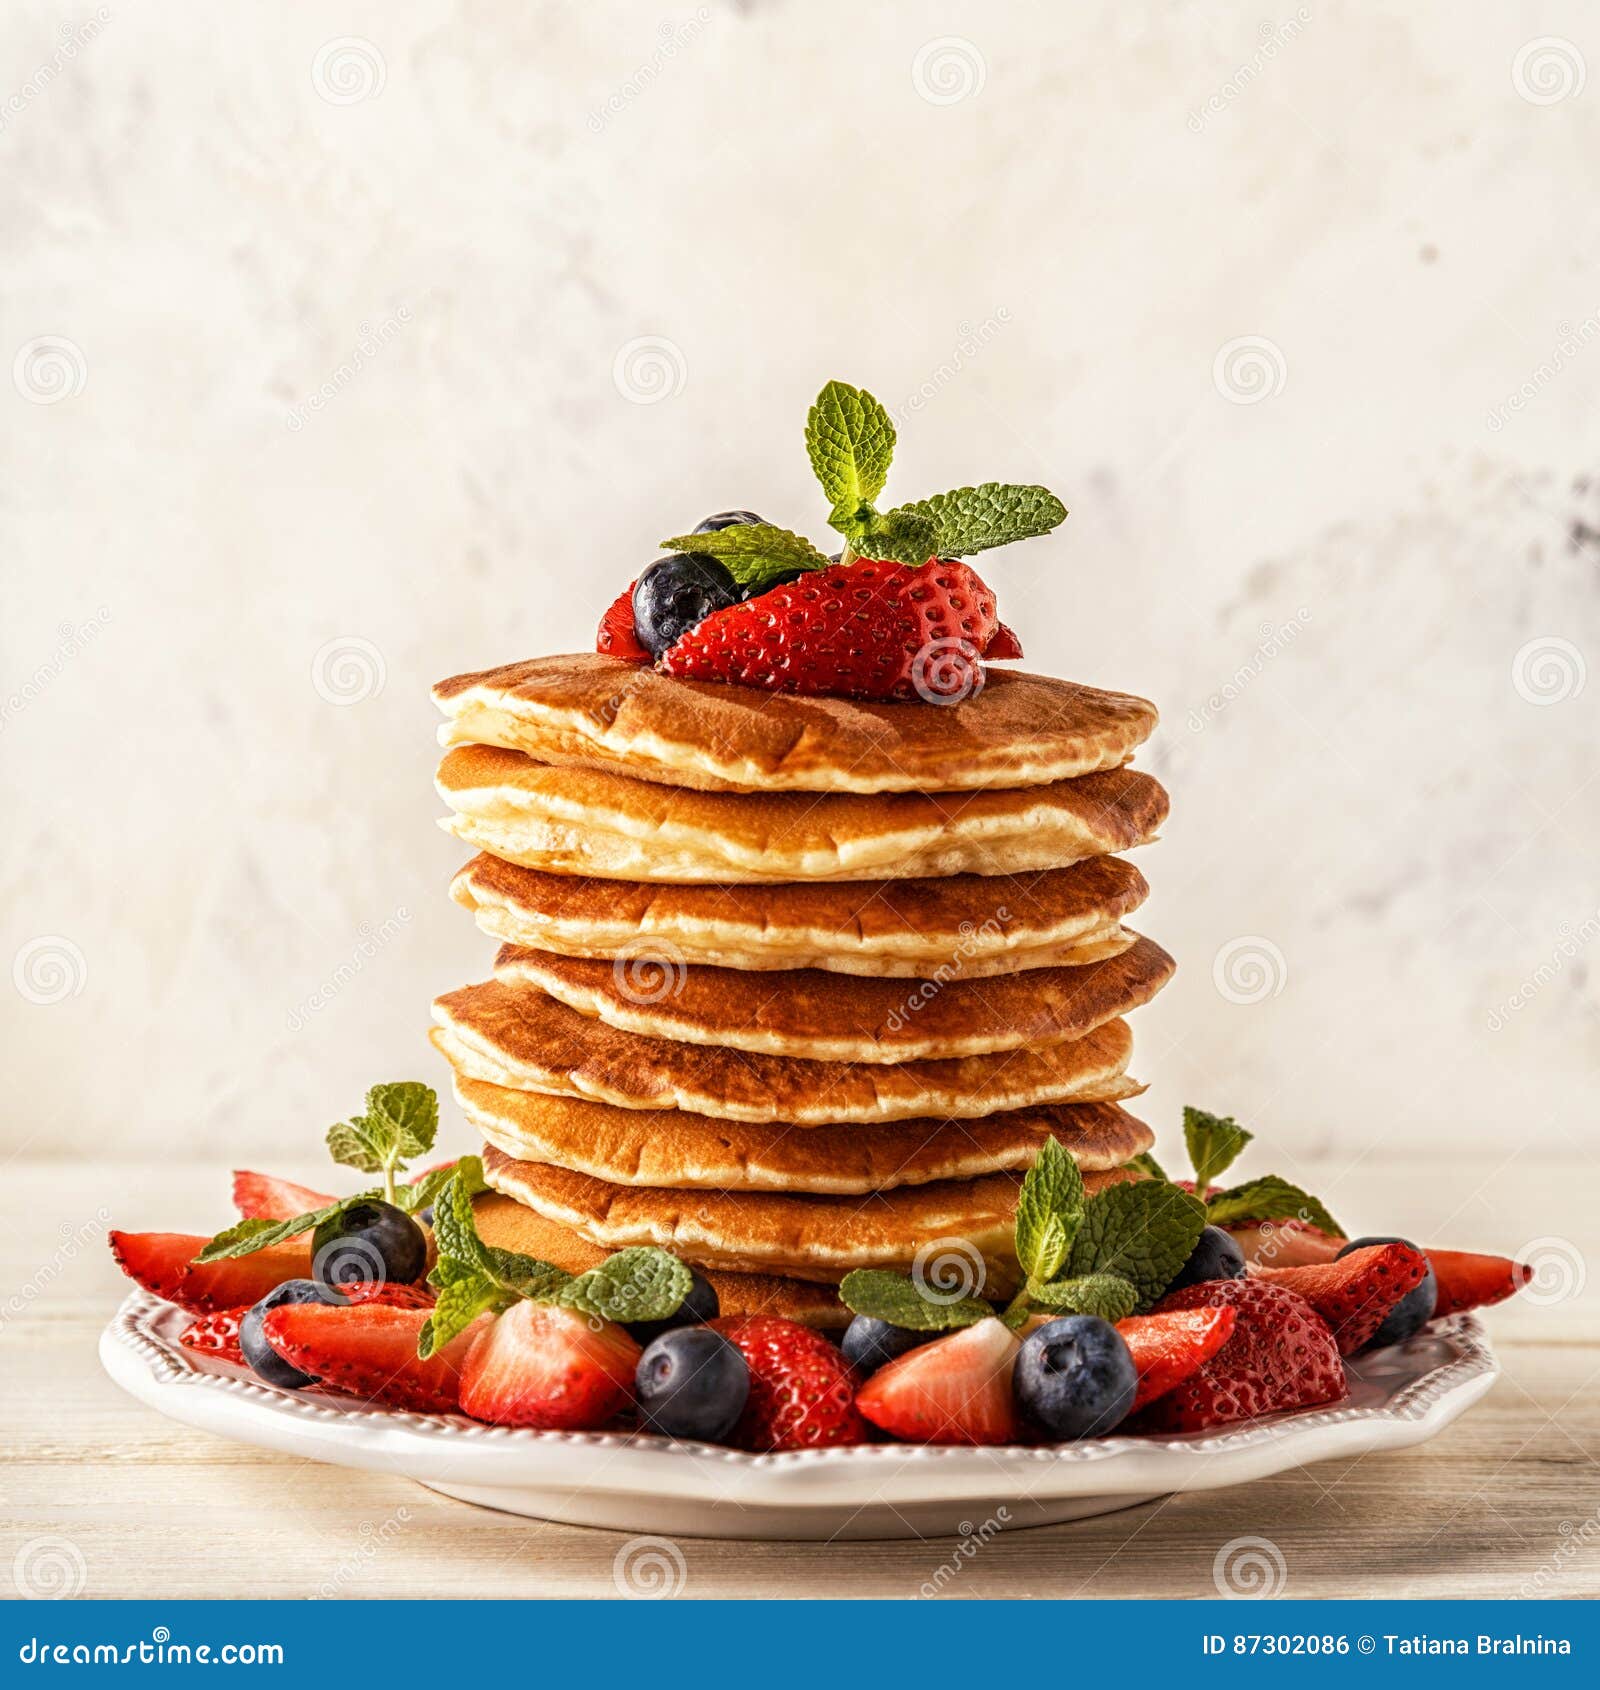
x,y
870,1343
955,1390
1075,1378
1215,1256
259,1355
698,1306
550,1368
616,636
1167,1348
163,1263
369,1241
1355,1292
726,519
678,593
266,1197
1412,1312
371,1352
801,1388
1281,1355
1467,1281
216,1335
867,630
692,1383
1003,647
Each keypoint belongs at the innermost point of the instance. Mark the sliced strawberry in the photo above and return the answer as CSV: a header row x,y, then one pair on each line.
x,y
865,630
216,1335
550,1368
266,1197
802,1390
391,1293
1167,1348
1283,1244
1468,1281
956,1390
370,1351
1003,646
163,1263
616,636
1354,1293
1281,1355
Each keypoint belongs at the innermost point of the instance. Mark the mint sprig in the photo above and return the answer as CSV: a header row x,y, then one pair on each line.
x,y
896,1298
754,553
976,519
850,441
1214,1143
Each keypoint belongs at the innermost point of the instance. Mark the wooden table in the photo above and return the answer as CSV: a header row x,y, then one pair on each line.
x,y
1505,1502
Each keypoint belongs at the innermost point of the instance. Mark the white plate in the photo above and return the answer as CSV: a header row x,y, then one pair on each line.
x,y
639,1483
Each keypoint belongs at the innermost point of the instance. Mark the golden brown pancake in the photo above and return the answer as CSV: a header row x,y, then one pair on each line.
x,y
520,1038
508,1225
961,1228
672,1148
579,821
826,1018
981,924
588,711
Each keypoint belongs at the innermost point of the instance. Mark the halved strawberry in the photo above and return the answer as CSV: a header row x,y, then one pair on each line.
x,y
550,1368
370,1351
1167,1348
1283,1244
1468,1281
1003,646
616,636
1281,1355
956,1390
1355,1292
216,1335
266,1197
865,630
390,1292
163,1263
802,1390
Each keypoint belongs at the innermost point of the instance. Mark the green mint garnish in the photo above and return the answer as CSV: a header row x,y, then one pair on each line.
x,y
1214,1143
1108,1295
754,553
401,1121
1146,1164
642,1283
1269,1198
1142,1232
850,440
900,536
1049,1212
895,1297
975,519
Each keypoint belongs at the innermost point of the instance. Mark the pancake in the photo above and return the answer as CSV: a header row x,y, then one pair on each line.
x,y
593,712
672,1148
988,924
806,1013
963,1228
508,1225
522,1039
579,821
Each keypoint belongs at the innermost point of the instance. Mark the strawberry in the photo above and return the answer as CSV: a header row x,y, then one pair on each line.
x,y
1283,1244
1467,1281
1003,646
1281,1355
616,636
163,1263
956,1390
266,1197
391,1293
550,1368
1354,1293
1167,1348
867,630
371,1352
802,1390
216,1335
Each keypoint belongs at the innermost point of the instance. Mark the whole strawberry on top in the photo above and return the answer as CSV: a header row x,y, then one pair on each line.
x,y
894,615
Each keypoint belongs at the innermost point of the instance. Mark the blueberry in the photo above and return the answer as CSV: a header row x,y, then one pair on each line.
x,y
725,519
676,593
263,1359
369,1241
692,1383
1215,1256
1074,1377
868,1342
1412,1312
699,1306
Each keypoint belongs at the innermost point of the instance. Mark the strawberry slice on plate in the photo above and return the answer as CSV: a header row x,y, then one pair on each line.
x,y
1167,1348
1468,1281
370,1351
163,1263
802,1390
266,1197
1354,1293
216,1335
549,1368
616,636
956,1390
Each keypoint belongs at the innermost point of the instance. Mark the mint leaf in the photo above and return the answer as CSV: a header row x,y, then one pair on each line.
x,y
244,1238
642,1283
1143,1232
1270,1198
755,553
407,1113
974,519
1146,1164
1214,1143
354,1144
463,1294
900,537
1049,1209
895,1298
850,441
420,1194
1108,1295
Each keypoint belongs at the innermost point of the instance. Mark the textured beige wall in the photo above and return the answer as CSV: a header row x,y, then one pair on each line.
x,y
1301,317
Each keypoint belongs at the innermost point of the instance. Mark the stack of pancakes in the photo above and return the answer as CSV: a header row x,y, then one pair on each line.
x,y
792,986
